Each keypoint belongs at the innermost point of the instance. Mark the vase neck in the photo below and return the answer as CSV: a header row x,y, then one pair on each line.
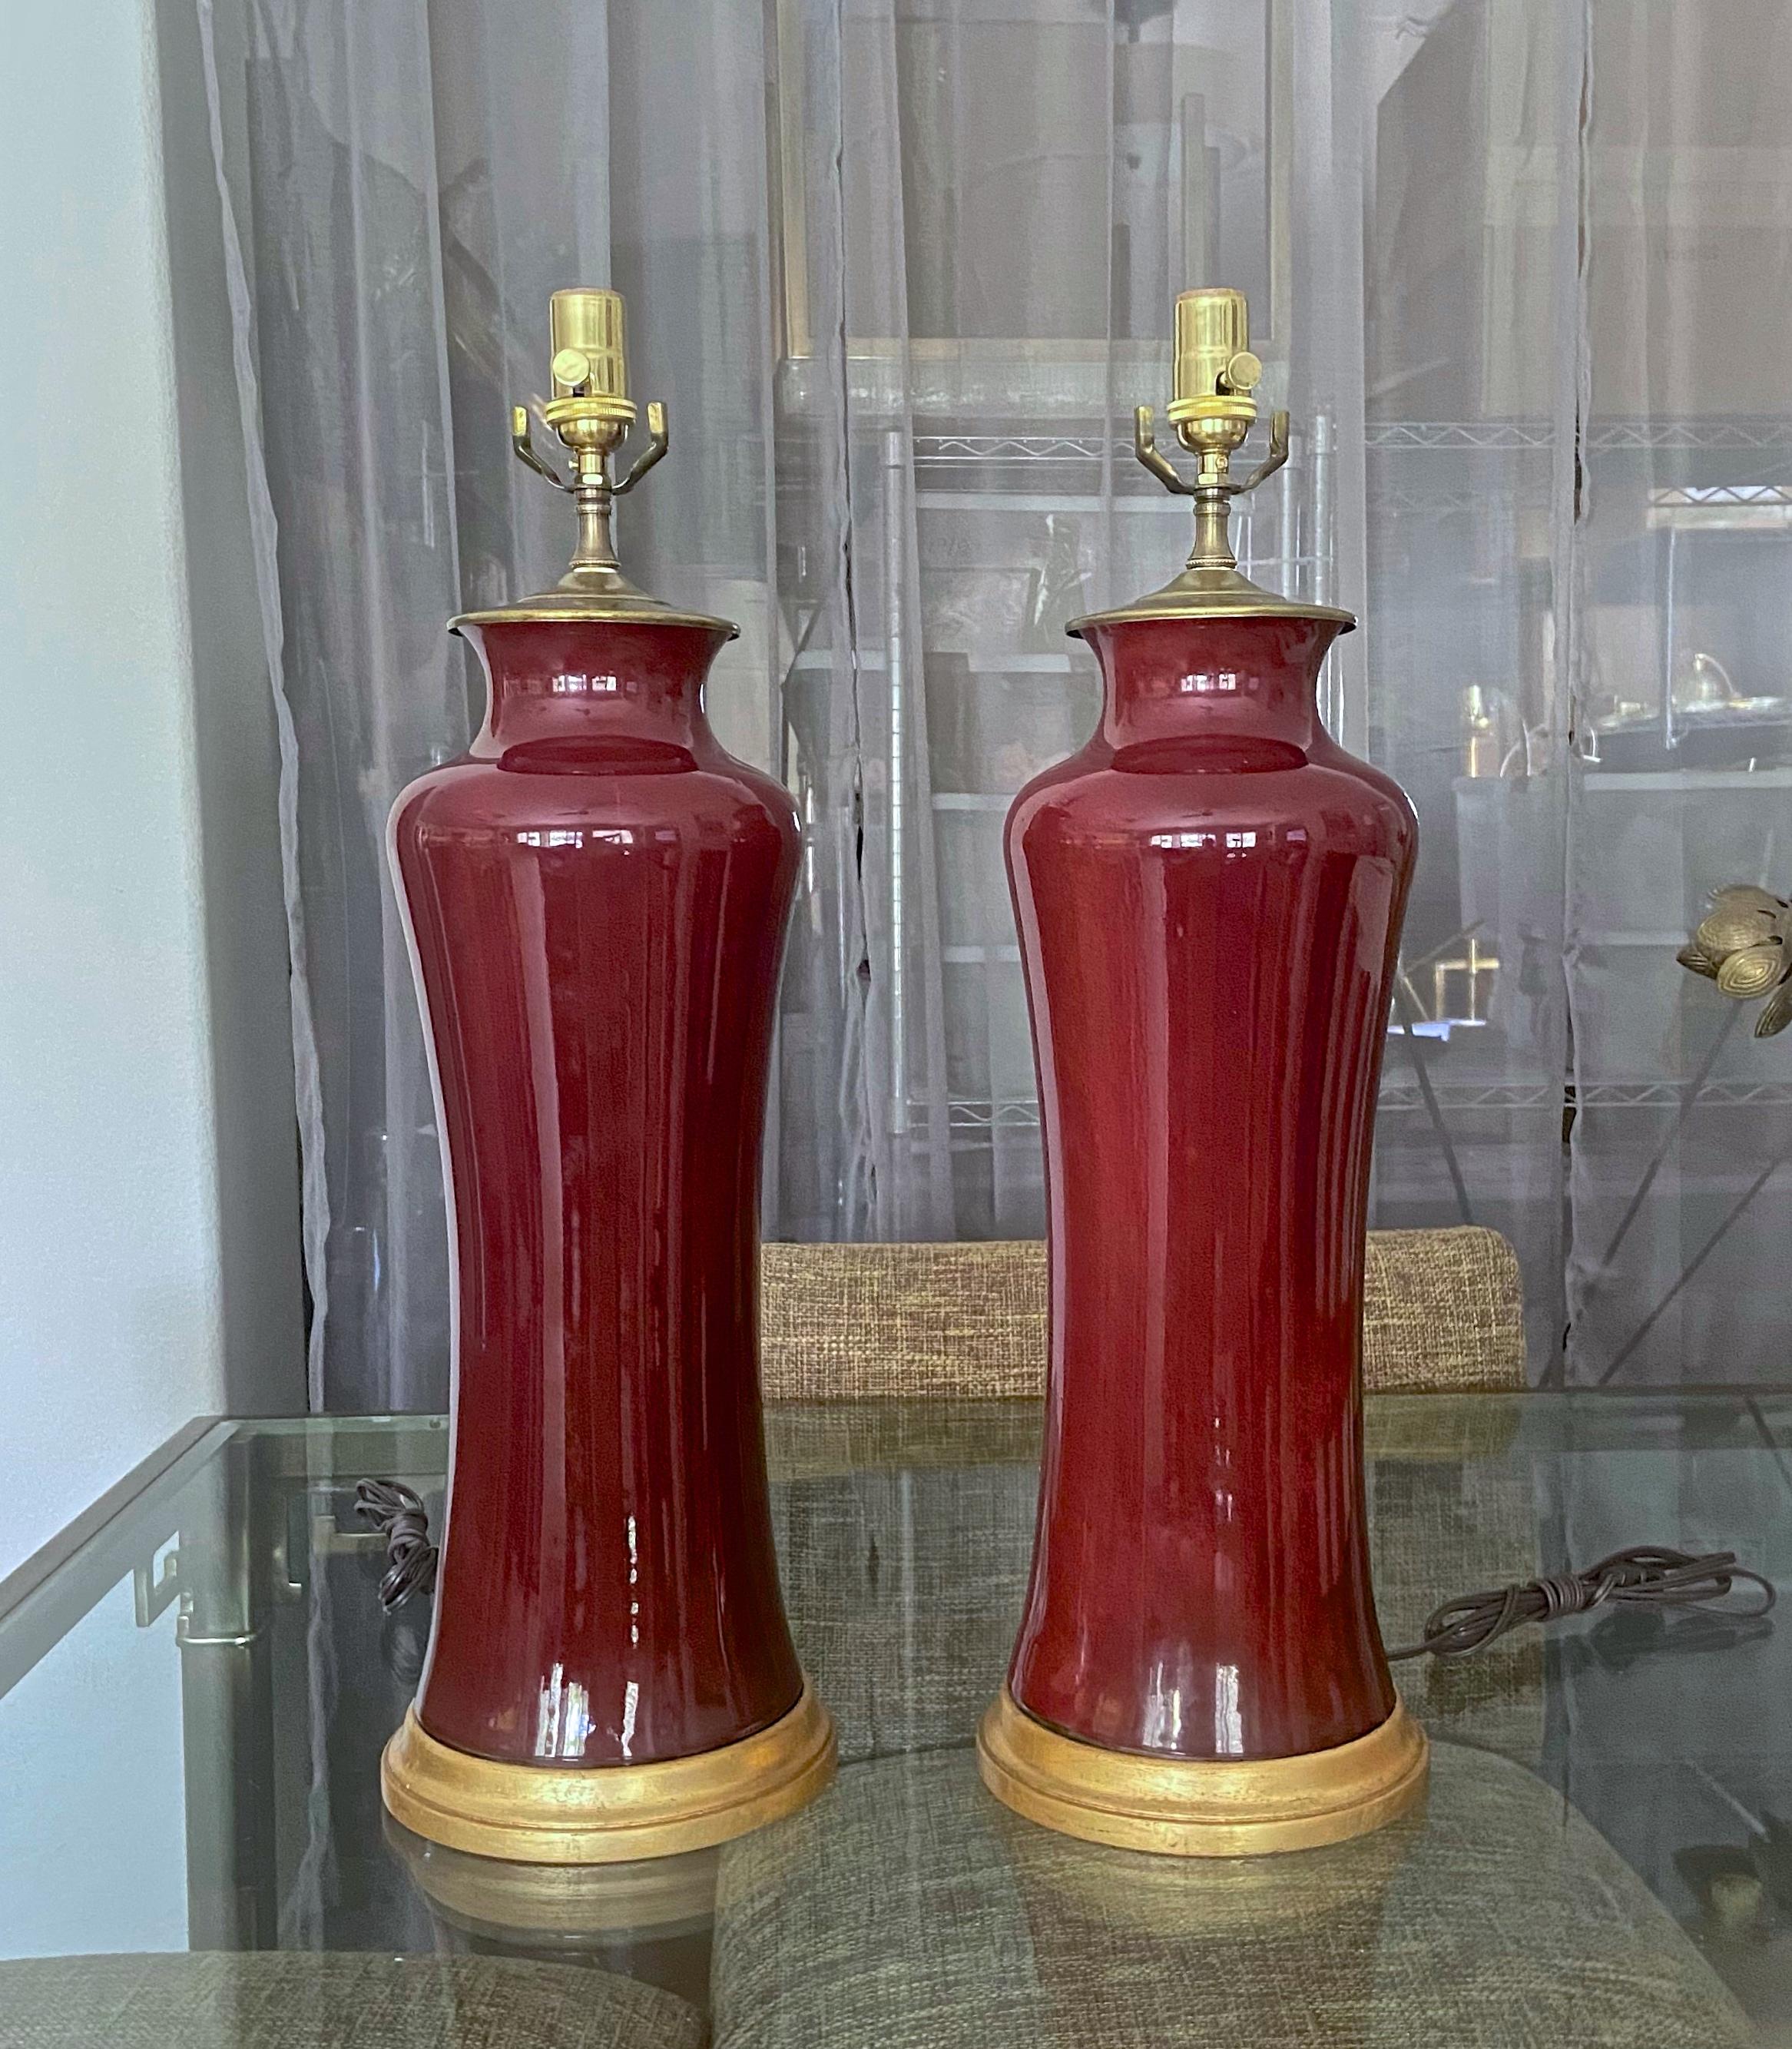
x,y
556,681
1221,679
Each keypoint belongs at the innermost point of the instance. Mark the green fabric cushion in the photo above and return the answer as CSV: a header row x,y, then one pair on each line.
x,y
298,2000
909,1910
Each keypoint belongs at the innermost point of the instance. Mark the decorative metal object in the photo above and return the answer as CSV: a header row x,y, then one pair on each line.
x,y
1209,898
596,896
1494,742
1741,944
1701,720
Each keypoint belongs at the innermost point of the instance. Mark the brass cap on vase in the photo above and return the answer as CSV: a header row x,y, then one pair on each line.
x,y
1213,409
590,412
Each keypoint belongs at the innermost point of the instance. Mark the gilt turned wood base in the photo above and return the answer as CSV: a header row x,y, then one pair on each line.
x,y
536,1813
1175,1808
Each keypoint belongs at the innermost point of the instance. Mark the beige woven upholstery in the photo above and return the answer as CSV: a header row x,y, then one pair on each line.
x,y
908,1910
275,1999
1443,1310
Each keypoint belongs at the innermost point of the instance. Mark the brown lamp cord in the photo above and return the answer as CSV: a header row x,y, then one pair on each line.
x,y
397,1511
1644,1575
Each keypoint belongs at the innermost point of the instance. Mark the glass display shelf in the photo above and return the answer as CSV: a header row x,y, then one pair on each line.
x,y
195,1689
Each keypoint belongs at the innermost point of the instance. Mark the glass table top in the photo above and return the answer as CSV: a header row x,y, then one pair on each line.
x,y
192,1705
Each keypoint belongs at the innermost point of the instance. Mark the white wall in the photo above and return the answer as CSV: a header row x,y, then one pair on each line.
x,y
73,1883
148,1238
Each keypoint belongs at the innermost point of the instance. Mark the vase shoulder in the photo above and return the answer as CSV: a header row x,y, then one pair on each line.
x,y
664,788
1327,796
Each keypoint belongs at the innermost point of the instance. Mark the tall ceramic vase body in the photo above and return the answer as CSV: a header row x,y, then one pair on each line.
x,y
1209,898
596,895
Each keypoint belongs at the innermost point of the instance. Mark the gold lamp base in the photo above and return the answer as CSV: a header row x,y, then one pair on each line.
x,y
535,1813
1177,1808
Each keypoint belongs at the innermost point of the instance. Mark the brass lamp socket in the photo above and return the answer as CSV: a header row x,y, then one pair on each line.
x,y
1215,372
590,407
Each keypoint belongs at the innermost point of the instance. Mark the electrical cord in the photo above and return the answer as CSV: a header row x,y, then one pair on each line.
x,y
397,1511
1647,1576
1644,1575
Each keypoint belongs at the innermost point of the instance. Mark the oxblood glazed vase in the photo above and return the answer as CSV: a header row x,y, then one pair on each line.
x,y
597,896
1209,896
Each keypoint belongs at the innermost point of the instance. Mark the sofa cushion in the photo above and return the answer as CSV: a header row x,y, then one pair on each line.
x,y
1442,1309
909,1910
300,2000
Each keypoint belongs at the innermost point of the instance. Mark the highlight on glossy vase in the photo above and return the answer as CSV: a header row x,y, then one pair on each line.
x,y
596,896
1209,898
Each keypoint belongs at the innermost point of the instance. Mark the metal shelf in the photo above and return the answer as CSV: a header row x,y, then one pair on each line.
x,y
1709,437
1041,662
1484,437
1607,782
1604,437
1668,1095
1023,474
950,449
1399,1097
975,1116
1696,498
1154,500
1388,437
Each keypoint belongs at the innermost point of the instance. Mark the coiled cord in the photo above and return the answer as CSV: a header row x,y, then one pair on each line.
x,y
1651,1576
397,1511
1644,1575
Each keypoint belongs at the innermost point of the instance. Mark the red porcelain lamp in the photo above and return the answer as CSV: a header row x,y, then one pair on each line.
x,y
1209,897
596,896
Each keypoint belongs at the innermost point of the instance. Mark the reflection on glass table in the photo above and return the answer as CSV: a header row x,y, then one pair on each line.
x,y
193,1701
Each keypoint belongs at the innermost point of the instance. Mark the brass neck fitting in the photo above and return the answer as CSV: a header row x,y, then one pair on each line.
x,y
1212,412
591,412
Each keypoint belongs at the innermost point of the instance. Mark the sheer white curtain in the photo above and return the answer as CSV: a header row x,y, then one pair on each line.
x,y
1581,491
1682,1200
994,208
1475,351
404,184
903,268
